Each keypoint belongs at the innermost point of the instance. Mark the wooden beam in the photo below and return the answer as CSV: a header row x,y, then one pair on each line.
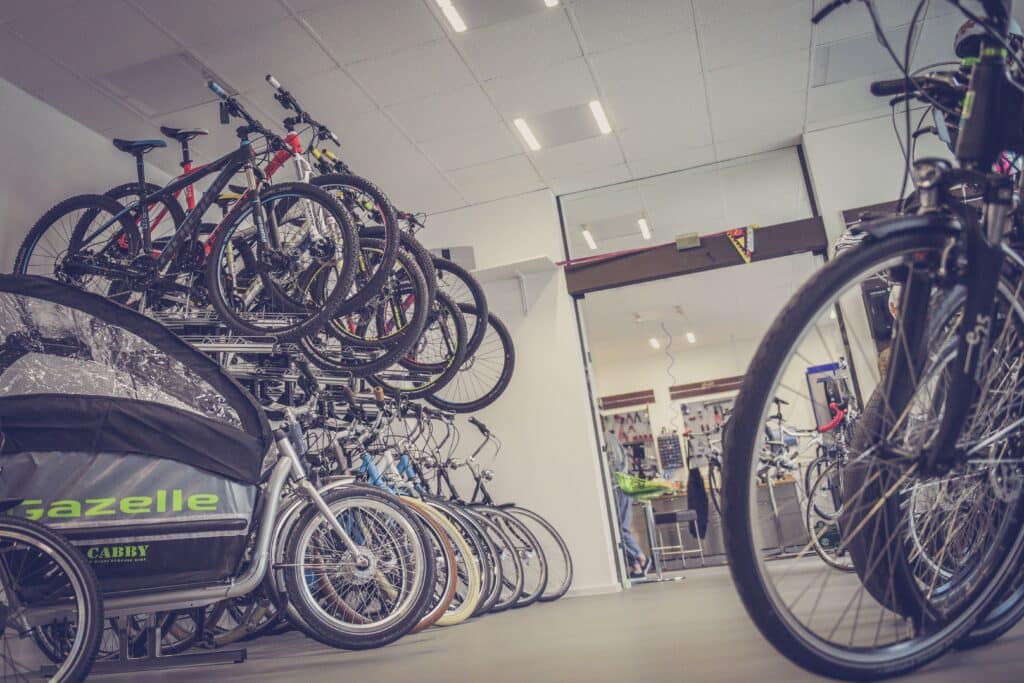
x,y
634,398
710,386
715,251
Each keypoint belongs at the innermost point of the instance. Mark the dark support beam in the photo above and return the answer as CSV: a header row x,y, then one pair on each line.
x,y
715,251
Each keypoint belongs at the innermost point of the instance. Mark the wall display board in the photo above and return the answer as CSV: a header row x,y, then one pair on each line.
x,y
631,427
670,451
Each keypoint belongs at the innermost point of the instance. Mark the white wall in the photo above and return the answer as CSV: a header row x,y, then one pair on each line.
x,y
549,461
48,157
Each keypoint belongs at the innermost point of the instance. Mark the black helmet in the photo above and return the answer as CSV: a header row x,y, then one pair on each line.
x,y
968,39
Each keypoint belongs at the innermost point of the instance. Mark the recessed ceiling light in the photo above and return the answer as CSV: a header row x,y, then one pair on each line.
x,y
452,15
551,3
655,344
589,239
691,337
602,121
524,130
645,230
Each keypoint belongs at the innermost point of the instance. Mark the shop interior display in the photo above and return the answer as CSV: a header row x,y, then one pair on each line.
x,y
301,363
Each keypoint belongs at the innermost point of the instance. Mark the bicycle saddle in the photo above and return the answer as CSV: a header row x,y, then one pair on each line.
x,y
138,146
183,134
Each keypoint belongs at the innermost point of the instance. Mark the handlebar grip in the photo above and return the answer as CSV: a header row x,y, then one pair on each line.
x,y
334,139
274,83
479,425
827,10
217,90
378,394
896,86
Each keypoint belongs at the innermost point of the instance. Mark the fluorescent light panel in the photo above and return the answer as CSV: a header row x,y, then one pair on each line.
x,y
602,121
551,3
655,344
524,130
589,239
452,15
645,230
691,337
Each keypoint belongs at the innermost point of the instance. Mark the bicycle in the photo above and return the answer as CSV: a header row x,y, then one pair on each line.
x,y
261,255
941,418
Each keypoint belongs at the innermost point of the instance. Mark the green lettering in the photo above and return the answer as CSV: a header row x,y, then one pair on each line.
x,y
136,505
203,502
176,501
65,508
142,549
100,506
33,513
117,551
161,501
91,553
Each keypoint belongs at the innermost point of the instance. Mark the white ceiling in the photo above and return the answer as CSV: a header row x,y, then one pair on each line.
x,y
718,306
427,112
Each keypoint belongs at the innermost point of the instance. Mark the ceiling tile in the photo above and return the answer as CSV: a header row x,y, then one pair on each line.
x,y
780,73
88,105
731,36
411,74
519,46
650,150
779,111
601,177
608,24
853,19
564,126
670,110
165,84
774,120
22,64
753,144
935,43
362,29
593,207
373,138
472,147
578,157
480,13
201,22
495,179
415,185
557,87
445,114
244,59
668,61
95,37
838,103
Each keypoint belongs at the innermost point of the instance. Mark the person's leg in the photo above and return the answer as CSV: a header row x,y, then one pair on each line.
x,y
634,555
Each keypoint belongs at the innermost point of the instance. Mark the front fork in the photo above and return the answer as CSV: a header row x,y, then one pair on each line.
x,y
984,269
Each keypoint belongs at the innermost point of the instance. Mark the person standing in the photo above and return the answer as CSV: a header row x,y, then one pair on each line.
x,y
635,558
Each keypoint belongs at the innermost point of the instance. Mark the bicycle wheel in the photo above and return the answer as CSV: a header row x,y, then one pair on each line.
x,y
899,611
395,316
369,209
485,555
1007,613
510,586
527,548
822,509
423,258
553,546
435,357
483,377
50,591
464,290
443,553
365,596
84,241
263,290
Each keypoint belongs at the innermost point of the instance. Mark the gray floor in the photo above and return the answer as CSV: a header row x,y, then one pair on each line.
x,y
693,631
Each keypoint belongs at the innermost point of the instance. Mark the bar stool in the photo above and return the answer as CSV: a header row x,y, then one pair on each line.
x,y
676,518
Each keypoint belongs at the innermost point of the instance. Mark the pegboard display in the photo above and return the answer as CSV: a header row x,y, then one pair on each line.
x,y
704,421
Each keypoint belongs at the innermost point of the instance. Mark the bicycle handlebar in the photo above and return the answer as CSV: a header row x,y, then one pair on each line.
x,y
838,415
827,10
217,90
896,86
479,425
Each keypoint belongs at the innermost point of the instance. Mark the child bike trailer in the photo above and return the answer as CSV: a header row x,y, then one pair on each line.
x,y
131,443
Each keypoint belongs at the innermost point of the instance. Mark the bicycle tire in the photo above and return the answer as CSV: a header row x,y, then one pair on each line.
x,y
368,285
449,323
314,314
467,392
34,542
51,228
532,560
559,562
746,428
131,190
319,346
484,553
457,283
446,580
509,587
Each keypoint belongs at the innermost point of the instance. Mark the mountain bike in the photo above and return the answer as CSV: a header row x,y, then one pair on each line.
x,y
929,515
260,256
